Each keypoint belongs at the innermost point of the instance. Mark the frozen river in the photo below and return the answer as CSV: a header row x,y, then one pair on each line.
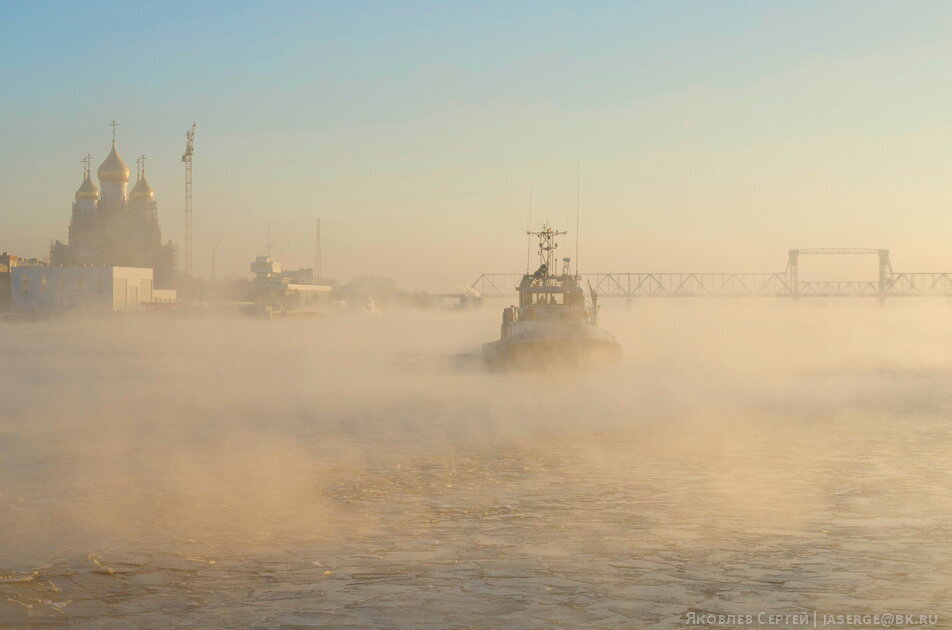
x,y
746,459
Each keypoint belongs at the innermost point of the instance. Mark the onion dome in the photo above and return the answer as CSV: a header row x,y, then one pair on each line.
x,y
87,190
142,190
113,169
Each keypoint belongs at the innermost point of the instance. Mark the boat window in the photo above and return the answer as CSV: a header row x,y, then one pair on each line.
x,y
546,299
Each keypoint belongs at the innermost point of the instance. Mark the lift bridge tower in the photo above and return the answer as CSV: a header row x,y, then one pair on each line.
x,y
187,158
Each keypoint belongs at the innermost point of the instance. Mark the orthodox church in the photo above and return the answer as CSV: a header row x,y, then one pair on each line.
x,y
116,228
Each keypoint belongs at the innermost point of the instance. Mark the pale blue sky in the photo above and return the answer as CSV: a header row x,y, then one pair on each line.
x,y
712,136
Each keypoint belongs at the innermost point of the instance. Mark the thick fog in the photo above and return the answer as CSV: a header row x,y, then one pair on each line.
x,y
359,470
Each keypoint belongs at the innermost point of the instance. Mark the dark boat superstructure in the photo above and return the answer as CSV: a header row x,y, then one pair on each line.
x,y
553,325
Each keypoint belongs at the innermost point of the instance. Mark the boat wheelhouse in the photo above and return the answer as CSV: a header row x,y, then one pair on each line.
x,y
553,323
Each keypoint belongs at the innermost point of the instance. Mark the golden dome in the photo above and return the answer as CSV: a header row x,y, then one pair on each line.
x,y
113,169
87,190
142,190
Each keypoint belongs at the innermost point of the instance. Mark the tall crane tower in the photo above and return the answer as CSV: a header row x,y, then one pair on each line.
x,y
318,263
187,158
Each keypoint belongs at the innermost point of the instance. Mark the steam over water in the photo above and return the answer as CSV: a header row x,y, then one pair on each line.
x,y
363,471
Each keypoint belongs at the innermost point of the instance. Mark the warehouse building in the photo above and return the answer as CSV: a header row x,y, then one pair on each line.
x,y
50,289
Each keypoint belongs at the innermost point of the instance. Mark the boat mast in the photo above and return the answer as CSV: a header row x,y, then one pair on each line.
x,y
578,186
547,246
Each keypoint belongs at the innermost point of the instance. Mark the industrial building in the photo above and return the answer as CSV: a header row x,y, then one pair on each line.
x,y
273,285
113,228
51,289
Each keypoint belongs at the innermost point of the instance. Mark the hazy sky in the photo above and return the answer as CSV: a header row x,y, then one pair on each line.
x,y
712,135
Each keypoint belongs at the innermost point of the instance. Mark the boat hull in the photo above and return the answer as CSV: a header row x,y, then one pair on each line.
x,y
554,347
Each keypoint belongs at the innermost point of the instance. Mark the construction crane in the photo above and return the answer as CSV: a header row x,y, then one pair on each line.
x,y
318,264
187,158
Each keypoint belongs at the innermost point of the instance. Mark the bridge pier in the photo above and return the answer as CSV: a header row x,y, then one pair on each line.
x,y
885,272
793,274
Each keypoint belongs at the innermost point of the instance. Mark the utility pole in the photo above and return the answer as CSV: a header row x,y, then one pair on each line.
x,y
214,249
187,158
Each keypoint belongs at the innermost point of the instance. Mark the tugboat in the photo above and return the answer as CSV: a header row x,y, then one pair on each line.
x,y
554,325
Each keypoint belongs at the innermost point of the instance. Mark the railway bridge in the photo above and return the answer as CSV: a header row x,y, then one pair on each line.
x,y
785,284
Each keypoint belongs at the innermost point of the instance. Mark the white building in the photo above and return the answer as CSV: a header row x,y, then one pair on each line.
x,y
46,289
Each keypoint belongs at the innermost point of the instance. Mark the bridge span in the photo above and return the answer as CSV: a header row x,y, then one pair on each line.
x,y
785,284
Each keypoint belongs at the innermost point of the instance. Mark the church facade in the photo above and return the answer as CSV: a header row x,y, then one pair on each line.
x,y
115,227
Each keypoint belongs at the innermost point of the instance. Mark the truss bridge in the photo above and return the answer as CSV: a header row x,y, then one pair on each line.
x,y
785,284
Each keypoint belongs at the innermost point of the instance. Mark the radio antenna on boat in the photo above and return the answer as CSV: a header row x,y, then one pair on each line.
x,y
528,235
578,178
